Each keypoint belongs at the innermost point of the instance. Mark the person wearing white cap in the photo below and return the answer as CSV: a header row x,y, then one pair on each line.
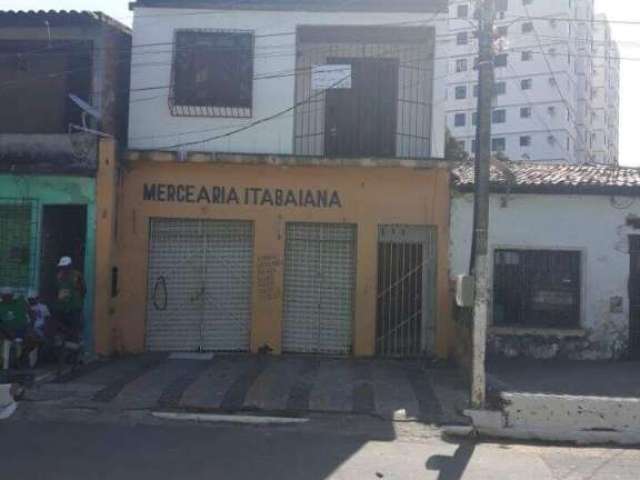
x,y
70,298
65,262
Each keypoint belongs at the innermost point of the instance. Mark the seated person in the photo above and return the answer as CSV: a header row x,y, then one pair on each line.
x,y
14,321
41,326
39,313
14,318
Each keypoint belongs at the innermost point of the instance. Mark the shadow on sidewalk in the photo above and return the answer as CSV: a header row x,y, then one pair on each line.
x,y
452,468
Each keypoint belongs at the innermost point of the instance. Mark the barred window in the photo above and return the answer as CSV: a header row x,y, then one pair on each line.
x,y
15,245
536,288
212,74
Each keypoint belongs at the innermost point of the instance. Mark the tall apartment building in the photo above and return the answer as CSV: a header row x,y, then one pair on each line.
x,y
549,99
605,94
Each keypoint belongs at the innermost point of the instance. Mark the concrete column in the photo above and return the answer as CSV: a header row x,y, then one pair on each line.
x,y
268,283
364,330
105,240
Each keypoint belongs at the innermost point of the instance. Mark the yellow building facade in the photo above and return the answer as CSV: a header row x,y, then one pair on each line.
x,y
279,254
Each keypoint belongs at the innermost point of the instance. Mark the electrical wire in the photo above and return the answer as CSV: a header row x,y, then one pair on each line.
x,y
240,129
227,127
555,80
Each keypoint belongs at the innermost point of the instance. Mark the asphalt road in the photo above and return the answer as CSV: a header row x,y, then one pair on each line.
x,y
87,446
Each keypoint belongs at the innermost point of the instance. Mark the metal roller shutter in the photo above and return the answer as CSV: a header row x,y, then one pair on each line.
x,y
175,257
318,291
227,280
199,287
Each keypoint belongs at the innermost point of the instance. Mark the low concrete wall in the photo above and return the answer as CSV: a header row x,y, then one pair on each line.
x,y
584,420
7,404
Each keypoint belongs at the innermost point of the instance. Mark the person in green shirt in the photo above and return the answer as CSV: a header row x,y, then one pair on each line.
x,y
70,298
14,314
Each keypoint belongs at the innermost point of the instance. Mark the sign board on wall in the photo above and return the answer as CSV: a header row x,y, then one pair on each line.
x,y
231,195
326,77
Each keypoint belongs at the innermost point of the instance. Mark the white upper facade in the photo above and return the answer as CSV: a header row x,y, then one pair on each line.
x,y
270,118
543,108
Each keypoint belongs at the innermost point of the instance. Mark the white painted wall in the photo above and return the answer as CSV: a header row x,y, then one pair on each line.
x,y
153,127
595,225
564,418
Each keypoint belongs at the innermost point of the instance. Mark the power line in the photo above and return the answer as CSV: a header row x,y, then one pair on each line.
x,y
257,122
574,19
555,80
226,127
428,22
20,83
531,105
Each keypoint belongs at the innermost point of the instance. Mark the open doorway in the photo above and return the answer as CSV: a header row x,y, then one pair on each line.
x,y
64,233
634,297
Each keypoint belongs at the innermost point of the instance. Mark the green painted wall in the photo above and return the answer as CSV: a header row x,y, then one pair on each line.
x,y
60,190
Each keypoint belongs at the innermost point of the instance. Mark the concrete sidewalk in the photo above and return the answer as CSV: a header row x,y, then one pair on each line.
x,y
291,385
566,377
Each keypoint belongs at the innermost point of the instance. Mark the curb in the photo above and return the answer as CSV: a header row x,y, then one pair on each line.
x,y
229,418
7,403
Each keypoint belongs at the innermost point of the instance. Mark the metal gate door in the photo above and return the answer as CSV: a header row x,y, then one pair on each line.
x,y
318,290
199,289
405,323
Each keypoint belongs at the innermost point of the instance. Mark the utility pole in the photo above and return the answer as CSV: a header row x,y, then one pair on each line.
x,y
480,266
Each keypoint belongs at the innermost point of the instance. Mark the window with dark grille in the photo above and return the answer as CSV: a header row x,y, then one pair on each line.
x,y
16,265
536,288
212,74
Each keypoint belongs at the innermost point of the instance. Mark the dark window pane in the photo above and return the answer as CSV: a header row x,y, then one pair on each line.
x,y
537,288
500,60
213,69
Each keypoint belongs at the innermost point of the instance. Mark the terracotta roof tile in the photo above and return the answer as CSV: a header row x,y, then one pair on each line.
x,y
567,178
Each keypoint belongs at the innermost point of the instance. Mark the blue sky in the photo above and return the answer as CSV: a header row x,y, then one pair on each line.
x,y
627,35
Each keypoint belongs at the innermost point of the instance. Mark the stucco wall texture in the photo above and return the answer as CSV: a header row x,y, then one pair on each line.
x,y
369,197
594,225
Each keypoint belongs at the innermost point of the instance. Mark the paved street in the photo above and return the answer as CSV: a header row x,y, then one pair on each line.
x,y
292,385
45,443
98,423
